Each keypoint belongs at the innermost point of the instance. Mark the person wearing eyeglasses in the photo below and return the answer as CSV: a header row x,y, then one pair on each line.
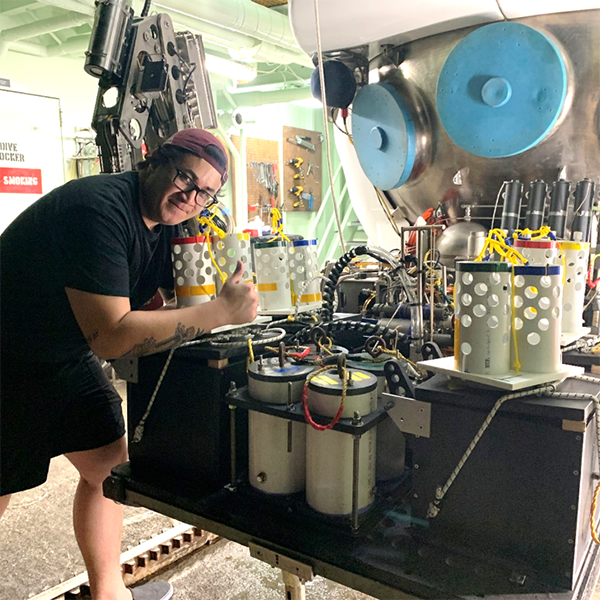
x,y
76,269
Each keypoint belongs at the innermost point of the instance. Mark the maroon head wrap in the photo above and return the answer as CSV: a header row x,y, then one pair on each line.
x,y
197,141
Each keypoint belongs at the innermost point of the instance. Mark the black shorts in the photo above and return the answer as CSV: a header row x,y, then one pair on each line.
x,y
51,409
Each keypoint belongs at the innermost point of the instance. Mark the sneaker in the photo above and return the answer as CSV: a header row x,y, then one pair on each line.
x,y
157,590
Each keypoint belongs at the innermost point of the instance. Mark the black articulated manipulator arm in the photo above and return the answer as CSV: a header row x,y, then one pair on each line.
x,y
157,76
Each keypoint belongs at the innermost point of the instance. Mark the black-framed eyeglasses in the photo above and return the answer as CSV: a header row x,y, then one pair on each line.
x,y
185,183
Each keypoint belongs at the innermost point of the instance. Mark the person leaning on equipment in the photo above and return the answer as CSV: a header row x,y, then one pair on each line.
x,y
76,268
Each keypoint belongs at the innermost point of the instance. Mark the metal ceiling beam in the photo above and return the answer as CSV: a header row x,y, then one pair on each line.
x,y
31,30
18,10
76,44
71,5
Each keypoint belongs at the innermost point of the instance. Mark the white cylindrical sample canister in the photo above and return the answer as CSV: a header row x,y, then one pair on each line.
x,y
227,251
537,252
193,271
277,454
273,383
574,258
537,298
391,443
276,446
304,273
330,453
482,317
272,275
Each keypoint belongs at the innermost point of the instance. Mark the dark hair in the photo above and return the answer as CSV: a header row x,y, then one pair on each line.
x,y
168,153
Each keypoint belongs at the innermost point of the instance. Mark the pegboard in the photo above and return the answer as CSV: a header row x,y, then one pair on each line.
x,y
259,198
310,180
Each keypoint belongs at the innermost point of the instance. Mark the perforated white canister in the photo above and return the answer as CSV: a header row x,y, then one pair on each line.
x,y
193,271
482,317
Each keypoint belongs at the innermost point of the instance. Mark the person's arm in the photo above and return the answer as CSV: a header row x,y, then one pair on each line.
x,y
113,330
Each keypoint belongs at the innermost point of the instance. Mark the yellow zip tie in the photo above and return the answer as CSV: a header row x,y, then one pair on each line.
x,y
516,363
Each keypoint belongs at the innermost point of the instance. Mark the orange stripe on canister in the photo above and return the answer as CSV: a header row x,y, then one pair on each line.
x,y
266,287
195,290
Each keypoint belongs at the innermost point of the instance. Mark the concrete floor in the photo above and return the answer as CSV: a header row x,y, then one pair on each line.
x,y
38,551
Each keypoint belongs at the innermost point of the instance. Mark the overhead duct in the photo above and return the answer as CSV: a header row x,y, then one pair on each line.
x,y
276,97
30,30
240,45
243,16
29,48
74,45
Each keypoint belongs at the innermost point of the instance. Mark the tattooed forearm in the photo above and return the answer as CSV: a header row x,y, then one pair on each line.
x,y
151,346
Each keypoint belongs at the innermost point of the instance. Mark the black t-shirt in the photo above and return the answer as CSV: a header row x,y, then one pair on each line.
x,y
88,235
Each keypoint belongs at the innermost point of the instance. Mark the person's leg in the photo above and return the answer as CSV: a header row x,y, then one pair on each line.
x,y
4,500
98,521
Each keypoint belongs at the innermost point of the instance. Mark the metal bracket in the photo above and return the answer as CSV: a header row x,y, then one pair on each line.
x,y
285,563
410,416
126,369
398,379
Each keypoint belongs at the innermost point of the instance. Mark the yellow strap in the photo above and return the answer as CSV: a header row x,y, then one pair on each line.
x,y
495,244
537,234
195,290
516,363
277,225
210,227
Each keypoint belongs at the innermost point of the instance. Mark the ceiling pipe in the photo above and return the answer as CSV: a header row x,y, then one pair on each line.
x,y
74,45
30,30
279,96
235,42
243,16
251,46
28,48
267,52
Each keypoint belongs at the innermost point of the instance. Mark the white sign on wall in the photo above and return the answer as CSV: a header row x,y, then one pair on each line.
x,y
31,154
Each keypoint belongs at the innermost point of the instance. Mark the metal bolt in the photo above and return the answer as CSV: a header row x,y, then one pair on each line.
x,y
573,507
146,36
575,472
571,542
578,437
415,466
261,477
415,495
232,388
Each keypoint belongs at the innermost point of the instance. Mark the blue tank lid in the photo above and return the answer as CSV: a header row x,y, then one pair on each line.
x,y
383,133
501,90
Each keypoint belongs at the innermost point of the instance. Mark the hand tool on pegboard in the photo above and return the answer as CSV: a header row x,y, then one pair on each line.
x,y
297,191
301,141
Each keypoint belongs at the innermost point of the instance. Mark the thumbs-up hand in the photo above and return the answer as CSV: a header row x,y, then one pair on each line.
x,y
239,299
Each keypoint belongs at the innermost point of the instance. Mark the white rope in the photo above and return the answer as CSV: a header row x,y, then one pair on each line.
x,y
326,123
440,492
138,434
